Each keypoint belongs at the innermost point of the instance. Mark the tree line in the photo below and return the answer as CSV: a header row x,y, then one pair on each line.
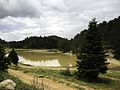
x,y
50,42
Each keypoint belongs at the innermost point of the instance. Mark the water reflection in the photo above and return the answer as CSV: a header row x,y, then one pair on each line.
x,y
39,63
46,58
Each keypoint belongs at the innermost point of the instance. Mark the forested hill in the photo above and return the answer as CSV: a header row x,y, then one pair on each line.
x,y
3,42
110,34
50,42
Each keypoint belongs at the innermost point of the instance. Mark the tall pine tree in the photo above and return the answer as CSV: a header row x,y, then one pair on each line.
x,y
91,55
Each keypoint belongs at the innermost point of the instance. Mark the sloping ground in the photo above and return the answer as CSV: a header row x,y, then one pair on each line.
x,y
113,63
27,78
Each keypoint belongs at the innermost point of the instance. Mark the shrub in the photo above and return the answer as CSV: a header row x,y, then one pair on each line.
x,y
66,72
39,85
13,57
4,61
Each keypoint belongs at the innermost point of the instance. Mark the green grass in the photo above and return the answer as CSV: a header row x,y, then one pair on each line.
x,y
108,81
19,84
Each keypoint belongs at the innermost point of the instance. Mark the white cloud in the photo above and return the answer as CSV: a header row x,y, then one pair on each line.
x,y
66,18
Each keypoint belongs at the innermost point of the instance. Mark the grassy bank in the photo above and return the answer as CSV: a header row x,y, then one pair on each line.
x,y
19,84
109,81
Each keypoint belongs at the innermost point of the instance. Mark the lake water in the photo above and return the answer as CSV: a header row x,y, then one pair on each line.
x,y
45,58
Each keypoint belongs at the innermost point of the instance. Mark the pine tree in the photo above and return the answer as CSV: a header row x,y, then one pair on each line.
x,y
64,45
91,55
4,61
13,57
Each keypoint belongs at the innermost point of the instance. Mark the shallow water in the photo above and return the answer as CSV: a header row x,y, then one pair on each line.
x,y
45,58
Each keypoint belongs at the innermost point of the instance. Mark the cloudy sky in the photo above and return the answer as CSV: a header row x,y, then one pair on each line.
x,y
65,18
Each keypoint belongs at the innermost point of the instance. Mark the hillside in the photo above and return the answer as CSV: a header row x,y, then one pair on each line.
x,y
110,34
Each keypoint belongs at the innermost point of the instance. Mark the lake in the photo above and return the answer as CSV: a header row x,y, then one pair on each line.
x,y
45,58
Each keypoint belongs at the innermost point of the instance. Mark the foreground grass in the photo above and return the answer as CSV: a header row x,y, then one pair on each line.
x,y
108,81
19,84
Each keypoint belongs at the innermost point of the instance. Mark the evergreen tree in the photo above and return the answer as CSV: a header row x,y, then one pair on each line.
x,y
4,61
13,57
64,45
78,41
91,55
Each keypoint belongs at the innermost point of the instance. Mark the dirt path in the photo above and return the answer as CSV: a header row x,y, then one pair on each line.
x,y
27,78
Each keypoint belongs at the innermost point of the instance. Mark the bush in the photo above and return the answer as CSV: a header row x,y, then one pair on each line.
x,y
66,72
39,85
13,57
4,61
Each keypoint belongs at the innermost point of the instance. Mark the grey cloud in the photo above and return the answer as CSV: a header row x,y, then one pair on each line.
x,y
57,5
19,8
94,8
10,24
